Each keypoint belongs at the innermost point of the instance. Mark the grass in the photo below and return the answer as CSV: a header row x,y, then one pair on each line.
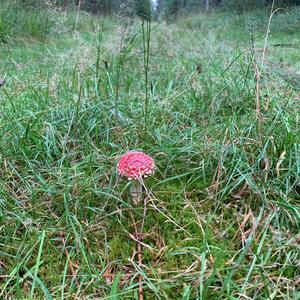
x,y
223,214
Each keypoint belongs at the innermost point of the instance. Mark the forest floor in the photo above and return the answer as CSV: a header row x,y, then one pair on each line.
x,y
223,214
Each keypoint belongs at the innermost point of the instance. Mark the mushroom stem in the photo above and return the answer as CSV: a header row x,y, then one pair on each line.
x,y
136,191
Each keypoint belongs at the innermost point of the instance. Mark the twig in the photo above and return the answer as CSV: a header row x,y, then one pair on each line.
x,y
140,257
144,216
140,262
139,240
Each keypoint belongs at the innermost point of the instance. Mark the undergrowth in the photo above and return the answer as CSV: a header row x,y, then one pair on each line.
x,y
223,211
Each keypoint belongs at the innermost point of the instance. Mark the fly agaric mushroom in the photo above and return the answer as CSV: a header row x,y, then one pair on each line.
x,y
136,165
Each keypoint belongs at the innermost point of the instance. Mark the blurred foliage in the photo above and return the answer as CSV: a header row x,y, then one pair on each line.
x,y
44,17
165,8
170,8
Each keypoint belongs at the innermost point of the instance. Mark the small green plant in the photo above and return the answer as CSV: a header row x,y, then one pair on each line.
x,y
5,30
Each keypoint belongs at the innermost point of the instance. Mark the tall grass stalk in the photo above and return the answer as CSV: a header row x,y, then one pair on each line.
x,y
77,18
268,32
258,70
146,51
45,34
125,43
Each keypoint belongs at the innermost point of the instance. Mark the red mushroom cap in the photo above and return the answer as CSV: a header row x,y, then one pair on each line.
x,y
136,165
